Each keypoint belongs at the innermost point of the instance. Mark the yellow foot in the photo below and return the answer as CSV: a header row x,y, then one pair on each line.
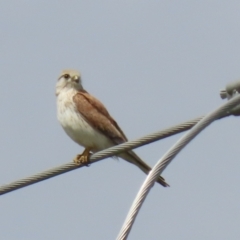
x,y
82,158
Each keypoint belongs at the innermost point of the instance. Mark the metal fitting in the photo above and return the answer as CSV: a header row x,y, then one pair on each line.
x,y
232,89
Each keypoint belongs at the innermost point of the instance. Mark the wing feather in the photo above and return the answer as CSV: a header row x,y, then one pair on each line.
x,y
98,117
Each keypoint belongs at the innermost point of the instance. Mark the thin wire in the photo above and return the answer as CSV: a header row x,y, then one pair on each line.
x,y
100,155
165,161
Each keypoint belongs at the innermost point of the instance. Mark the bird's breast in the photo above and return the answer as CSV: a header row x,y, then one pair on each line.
x,y
77,127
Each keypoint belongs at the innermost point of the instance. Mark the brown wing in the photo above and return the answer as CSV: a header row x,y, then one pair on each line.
x,y
98,117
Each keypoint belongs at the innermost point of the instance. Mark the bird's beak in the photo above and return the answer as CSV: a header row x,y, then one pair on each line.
x,y
76,79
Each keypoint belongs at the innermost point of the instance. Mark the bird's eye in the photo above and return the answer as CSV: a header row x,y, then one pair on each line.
x,y
66,76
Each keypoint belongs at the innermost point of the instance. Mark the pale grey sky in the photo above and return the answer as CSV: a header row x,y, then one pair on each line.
x,y
153,64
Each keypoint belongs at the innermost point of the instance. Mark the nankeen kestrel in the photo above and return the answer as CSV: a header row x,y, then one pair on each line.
x,y
87,122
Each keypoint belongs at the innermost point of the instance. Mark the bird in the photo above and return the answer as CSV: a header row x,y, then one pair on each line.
x,y
88,123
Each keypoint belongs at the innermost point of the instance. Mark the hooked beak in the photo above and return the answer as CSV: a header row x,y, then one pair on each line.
x,y
76,79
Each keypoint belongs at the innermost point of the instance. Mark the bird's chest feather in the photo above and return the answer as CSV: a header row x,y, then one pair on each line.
x,y
77,128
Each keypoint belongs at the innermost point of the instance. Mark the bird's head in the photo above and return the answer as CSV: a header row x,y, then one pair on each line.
x,y
69,79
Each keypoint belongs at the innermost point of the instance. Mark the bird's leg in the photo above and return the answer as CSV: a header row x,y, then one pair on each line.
x,y
83,158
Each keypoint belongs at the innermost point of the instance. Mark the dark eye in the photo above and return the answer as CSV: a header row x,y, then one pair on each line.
x,y
66,76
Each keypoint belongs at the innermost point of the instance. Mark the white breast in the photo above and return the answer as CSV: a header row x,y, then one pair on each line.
x,y
76,126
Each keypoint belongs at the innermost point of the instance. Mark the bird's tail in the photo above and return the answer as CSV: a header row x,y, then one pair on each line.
x,y
133,158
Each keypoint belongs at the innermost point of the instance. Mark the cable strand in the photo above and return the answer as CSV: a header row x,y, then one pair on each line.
x,y
101,155
166,160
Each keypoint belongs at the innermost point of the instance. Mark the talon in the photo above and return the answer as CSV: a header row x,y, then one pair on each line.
x,y
82,158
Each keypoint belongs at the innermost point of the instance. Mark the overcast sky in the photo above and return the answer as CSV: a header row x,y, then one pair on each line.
x,y
153,64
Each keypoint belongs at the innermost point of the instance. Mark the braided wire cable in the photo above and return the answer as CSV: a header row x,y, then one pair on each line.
x,y
165,161
100,155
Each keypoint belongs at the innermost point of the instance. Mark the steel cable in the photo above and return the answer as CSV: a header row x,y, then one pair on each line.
x,y
100,155
165,161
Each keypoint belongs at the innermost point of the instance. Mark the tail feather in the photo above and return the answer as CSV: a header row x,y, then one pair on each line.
x,y
133,158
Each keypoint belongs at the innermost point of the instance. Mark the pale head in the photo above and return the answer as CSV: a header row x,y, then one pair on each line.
x,y
69,79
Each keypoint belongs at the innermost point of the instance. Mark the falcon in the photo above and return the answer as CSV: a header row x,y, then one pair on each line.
x,y
87,122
